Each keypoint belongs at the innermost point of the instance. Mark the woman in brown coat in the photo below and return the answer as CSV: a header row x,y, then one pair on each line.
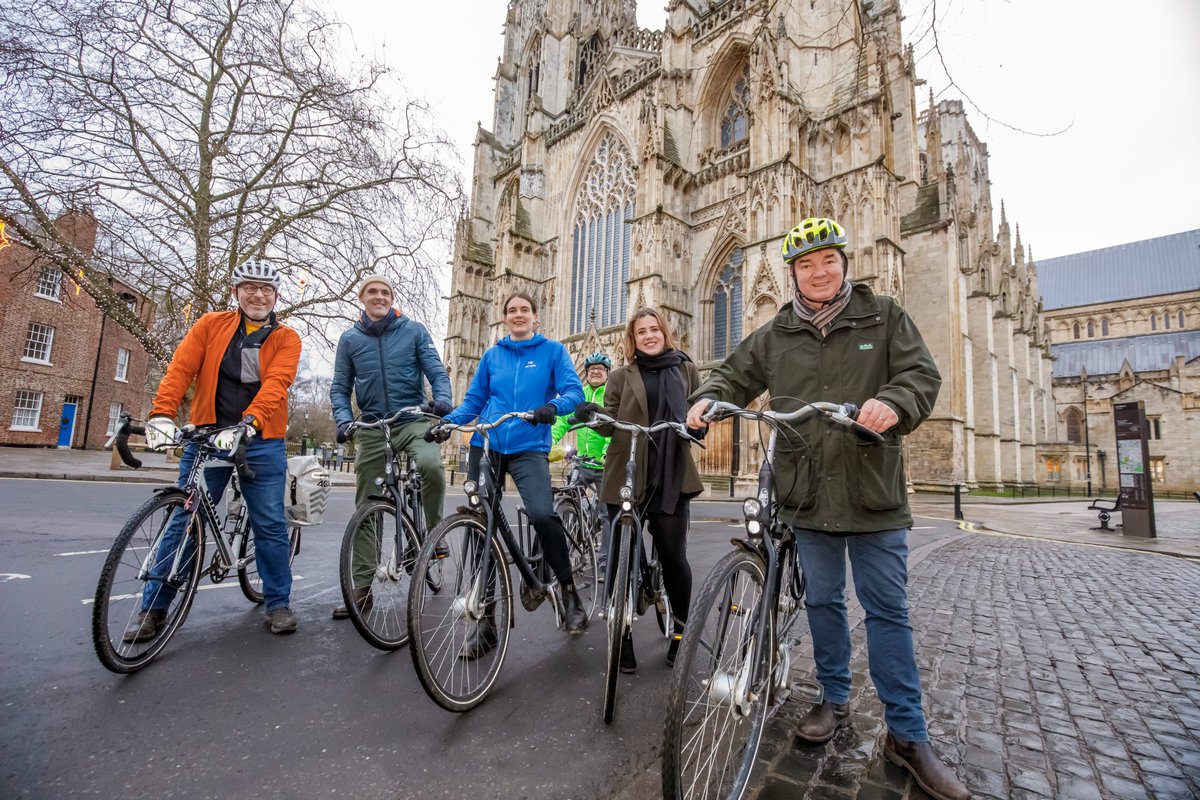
x,y
654,386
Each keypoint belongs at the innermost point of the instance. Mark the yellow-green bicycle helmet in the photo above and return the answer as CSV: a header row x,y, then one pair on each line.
x,y
815,233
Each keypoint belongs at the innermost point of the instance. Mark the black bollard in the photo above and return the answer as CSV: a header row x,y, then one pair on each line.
x,y
958,501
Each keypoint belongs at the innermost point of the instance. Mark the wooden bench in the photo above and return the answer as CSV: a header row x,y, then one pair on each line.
x,y
1106,508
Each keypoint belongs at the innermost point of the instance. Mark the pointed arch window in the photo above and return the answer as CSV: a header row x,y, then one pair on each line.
x,y
1075,330
589,53
727,306
1091,328
1074,426
601,238
1153,322
1181,319
1166,322
533,68
1104,327
734,122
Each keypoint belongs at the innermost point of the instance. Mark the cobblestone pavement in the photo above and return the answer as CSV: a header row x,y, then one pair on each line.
x,y
1050,670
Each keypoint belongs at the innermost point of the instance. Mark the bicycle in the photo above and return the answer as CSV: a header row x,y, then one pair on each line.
x,y
456,662
577,502
637,582
127,576
374,567
735,656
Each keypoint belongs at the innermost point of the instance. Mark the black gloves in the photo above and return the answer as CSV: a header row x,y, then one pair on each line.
x,y
545,415
345,433
437,434
439,408
585,411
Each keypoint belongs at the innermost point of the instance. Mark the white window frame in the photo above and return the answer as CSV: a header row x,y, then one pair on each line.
x,y
29,333
114,415
36,409
122,374
56,293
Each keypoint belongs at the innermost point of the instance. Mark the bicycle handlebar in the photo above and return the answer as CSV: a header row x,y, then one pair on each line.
x,y
842,413
379,424
484,427
600,418
125,428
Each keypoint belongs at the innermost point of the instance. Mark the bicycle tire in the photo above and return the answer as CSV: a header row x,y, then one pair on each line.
x,y
248,577
120,590
438,624
618,598
584,570
718,700
372,557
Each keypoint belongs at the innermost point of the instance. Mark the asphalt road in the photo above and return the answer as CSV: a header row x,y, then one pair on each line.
x,y
229,710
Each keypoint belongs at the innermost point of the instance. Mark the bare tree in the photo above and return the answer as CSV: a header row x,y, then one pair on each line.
x,y
205,133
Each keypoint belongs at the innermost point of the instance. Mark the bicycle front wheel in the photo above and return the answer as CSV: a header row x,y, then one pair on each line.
x,y
618,609
718,698
460,633
582,552
127,637
379,552
248,577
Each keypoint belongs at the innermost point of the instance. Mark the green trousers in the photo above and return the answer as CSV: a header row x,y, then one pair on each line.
x,y
368,465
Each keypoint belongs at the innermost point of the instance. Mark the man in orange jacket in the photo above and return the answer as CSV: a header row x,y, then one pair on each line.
x,y
242,363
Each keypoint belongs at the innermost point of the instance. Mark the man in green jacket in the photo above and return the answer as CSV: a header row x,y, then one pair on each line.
x,y
591,446
840,342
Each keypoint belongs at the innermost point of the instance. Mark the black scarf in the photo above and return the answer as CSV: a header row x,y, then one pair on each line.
x,y
667,391
377,327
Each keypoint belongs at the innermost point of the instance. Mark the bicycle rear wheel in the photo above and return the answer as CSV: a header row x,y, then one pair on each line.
x,y
125,642
718,698
582,552
460,634
375,570
248,577
618,610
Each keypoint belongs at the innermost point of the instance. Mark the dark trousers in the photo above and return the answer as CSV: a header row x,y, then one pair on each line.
x,y
669,532
530,471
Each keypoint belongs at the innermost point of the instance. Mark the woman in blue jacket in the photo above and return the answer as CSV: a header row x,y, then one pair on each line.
x,y
524,371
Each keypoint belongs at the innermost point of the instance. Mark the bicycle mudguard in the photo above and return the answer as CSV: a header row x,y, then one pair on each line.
x,y
745,545
170,490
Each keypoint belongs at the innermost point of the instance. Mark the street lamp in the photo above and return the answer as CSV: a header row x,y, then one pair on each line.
x,y
304,439
1102,454
1087,445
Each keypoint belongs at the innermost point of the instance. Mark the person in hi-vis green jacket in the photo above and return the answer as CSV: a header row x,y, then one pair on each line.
x,y
590,446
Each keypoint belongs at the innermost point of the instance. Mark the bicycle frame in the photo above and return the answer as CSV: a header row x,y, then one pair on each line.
x,y
762,512
484,499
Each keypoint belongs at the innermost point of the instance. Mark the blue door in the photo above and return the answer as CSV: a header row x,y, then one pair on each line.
x,y
67,427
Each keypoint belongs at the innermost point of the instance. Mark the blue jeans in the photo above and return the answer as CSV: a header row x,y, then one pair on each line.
x,y
880,566
264,502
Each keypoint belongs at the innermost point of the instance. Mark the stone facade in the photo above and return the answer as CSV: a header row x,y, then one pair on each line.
x,y
64,368
628,167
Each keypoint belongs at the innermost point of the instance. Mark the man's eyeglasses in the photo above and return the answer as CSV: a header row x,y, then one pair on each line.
x,y
250,288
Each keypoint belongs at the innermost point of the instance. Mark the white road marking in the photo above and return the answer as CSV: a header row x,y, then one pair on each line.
x,y
81,553
5,577
924,528
222,585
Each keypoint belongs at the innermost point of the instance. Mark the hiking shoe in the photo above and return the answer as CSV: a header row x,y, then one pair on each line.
x,y
481,640
628,660
929,771
822,721
575,617
363,600
282,620
146,627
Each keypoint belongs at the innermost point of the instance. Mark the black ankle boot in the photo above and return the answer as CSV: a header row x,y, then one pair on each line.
x,y
575,616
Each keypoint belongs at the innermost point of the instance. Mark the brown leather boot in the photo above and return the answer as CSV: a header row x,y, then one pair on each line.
x,y
821,722
938,780
363,600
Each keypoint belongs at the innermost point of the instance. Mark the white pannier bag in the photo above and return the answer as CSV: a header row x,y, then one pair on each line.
x,y
305,492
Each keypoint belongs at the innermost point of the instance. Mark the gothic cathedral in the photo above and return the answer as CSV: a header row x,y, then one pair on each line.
x,y
628,167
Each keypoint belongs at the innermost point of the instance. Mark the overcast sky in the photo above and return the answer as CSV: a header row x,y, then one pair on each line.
x,y
1122,79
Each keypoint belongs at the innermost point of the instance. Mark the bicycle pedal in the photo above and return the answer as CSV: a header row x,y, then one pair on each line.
x,y
531,598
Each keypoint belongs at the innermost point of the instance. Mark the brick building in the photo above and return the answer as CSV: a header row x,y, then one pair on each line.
x,y
66,372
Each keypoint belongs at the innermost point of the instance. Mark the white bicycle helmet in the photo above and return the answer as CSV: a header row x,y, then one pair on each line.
x,y
256,271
